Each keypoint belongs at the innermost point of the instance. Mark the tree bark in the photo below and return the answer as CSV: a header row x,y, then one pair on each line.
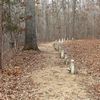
x,y
74,15
65,18
1,8
30,34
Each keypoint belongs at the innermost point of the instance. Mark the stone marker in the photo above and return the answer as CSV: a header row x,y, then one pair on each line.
x,y
65,58
72,38
56,46
59,41
72,67
62,40
62,54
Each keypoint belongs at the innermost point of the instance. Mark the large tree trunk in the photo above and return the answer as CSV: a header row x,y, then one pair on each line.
x,y
30,35
9,22
1,35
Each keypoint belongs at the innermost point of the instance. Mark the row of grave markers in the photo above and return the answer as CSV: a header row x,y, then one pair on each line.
x,y
58,46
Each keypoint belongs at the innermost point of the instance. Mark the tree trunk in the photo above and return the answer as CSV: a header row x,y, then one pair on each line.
x,y
30,34
68,24
9,22
74,13
65,18
1,8
46,19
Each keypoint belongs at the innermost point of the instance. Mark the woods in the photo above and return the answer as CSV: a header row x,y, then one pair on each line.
x,y
49,49
49,20
27,22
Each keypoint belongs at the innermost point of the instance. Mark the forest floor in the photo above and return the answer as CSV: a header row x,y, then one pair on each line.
x,y
43,76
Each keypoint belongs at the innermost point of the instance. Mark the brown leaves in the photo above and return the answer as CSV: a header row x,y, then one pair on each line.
x,y
13,71
15,80
97,88
86,54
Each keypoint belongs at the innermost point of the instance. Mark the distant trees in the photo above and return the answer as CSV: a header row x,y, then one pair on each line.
x,y
71,18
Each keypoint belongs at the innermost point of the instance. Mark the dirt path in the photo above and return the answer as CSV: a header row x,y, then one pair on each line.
x,y
54,82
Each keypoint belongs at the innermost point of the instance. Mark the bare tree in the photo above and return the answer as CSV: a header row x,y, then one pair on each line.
x,y
74,13
65,17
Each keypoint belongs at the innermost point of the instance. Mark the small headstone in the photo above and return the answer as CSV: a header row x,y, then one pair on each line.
x,y
72,67
55,45
62,54
62,40
72,38
59,41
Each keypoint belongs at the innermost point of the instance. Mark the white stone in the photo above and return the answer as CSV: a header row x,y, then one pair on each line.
x,y
62,54
72,38
72,67
59,41
62,40
67,62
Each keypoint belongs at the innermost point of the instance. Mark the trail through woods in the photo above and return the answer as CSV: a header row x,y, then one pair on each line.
x,y
46,79
54,81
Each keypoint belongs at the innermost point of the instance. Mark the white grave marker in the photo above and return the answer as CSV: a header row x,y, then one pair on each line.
x,y
72,67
